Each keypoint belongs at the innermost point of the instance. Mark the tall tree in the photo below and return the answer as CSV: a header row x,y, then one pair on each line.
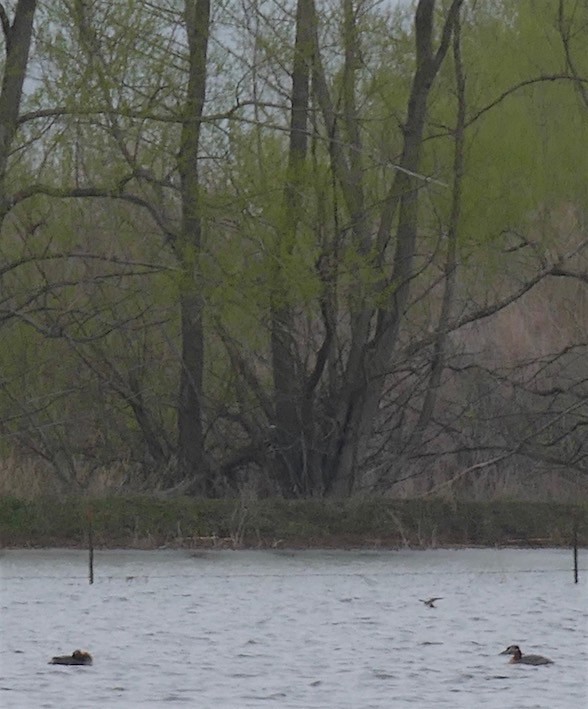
x,y
291,423
17,38
371,350
191,456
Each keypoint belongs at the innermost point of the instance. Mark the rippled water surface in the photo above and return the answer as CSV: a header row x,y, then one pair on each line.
x,y
304,629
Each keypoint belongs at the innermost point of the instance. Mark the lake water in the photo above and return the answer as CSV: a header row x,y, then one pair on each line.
x,y
217,630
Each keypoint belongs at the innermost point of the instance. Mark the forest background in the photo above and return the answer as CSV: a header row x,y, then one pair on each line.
x,y
303,249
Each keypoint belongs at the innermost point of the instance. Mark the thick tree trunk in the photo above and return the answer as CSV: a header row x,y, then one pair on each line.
x,y
366,373
288,380
17,37
191,459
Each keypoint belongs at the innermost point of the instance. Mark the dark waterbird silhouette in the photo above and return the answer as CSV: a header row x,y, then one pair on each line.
x,y
430,602
78,657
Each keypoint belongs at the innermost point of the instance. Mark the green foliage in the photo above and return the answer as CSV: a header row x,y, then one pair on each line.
x,y
108,274
520,153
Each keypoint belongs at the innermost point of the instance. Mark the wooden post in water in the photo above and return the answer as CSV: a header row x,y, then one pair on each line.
x,y
89,516
575,543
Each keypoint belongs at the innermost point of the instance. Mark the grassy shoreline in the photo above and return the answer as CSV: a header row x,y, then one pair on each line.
x,y
143,522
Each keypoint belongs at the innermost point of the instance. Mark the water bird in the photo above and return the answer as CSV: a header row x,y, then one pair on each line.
x,y
430,602
78,657
519,658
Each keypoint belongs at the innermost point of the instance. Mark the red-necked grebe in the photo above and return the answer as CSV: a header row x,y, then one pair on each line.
x,y
78,657
519,658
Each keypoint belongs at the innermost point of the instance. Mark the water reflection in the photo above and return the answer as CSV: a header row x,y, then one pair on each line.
x,y
283,629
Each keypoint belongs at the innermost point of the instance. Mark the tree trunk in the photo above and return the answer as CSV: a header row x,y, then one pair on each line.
x,y
191,459
287,379
366,375
17,37
439,354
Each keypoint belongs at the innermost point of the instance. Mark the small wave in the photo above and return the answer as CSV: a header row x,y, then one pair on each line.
x,y
380,674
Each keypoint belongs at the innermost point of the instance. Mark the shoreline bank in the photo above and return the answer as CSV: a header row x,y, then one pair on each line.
x,y
144,522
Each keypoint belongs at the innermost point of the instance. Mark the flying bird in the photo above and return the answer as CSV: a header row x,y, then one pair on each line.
x,y
430,602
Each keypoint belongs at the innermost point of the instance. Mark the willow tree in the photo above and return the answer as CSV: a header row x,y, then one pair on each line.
x,y
406,236
335,193
99,98
322,429
372,348
185,238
